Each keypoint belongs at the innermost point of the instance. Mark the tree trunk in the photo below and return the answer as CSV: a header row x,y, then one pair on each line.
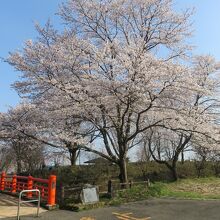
x,y
182,157
200,166
172,168
18,166
73,156
159,153
174,173
73,149
123,176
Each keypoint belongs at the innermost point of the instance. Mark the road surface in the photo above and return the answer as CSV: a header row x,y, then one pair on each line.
x,y
152,209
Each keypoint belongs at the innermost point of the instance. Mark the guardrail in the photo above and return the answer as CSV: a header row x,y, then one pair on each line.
x,y
15,184
28,201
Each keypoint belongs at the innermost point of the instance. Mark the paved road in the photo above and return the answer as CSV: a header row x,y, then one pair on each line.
x,y
153,209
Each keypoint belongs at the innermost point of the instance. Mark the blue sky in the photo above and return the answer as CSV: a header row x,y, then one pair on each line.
x,y
17,20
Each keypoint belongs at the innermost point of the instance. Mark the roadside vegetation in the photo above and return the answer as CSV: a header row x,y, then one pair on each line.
x,y
197,188
189,186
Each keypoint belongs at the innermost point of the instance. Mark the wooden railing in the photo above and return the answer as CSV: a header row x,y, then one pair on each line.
x,y
113,186
15,184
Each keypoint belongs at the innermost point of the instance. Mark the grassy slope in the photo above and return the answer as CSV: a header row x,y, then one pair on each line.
x,y
204,188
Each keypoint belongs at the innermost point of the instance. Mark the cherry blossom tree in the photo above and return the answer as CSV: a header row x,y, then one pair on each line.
x,y
197,128
25,151
32,123
116,70
6,157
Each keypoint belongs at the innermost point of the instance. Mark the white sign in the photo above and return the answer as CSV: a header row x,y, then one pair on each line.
x,y
90,195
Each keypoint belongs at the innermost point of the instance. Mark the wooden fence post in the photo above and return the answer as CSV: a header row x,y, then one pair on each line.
x,y
110,189
62,194
109,186
14,184
2,183
51,191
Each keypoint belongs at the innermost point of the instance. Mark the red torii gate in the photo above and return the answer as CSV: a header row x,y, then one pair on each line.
x,y
14,184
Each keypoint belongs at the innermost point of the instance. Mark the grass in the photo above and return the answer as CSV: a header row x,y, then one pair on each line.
x,y
204,188
136,193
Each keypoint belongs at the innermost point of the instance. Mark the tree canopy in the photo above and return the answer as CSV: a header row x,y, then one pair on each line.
x,y
120,70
